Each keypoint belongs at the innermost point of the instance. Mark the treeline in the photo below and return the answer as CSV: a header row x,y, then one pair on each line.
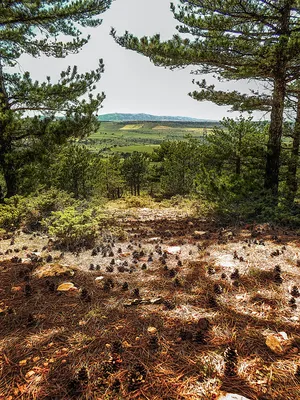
x,y
237,40
242,169
224,169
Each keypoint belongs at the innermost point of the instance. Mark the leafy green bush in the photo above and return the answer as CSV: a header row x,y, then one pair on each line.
x,y
138,201
73,227
39,207
11,213
29,212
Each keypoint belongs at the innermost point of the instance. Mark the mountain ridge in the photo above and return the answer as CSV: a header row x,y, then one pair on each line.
x,y
124,117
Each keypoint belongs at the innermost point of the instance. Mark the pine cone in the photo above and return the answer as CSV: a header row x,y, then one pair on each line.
x,y
230,358
218,289
83,375
235,274
200,337
278,279
295,291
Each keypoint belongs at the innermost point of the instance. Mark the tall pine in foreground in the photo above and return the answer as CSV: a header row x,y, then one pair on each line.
x,y
235,39
49,111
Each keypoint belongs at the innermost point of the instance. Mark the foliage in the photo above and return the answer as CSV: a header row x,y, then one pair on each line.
x,y
11,213
179,164
230,176
113,180
29,211
40,205
235,40
140,201
60,110
76,170
134,170
73,227
237,147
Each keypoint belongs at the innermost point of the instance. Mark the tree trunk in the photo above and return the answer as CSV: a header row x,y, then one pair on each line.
x,y
238,166
275,134
10,177
6,163
292,184
238,160
275,130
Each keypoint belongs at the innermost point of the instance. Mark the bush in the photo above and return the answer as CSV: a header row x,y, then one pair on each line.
x,y
73,227
138,201
11,213
28,212
42,205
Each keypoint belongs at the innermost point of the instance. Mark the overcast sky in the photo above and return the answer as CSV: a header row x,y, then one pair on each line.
x,y
132,84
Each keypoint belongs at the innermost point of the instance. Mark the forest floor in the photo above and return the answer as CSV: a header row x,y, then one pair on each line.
x,y
166,306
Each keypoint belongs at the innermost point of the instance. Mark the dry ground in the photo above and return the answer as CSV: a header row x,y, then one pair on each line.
x,y
95,343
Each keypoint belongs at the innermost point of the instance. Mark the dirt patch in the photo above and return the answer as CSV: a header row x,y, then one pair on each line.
x,y
225,289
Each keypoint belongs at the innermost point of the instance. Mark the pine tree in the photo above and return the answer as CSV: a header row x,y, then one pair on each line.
x,y
134,170
76,170
236,146
179,165
293,91
235,39
59,110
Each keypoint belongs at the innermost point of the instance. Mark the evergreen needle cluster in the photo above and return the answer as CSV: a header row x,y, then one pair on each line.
x,y
62,109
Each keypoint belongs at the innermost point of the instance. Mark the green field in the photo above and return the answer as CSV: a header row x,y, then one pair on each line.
x,y
126,137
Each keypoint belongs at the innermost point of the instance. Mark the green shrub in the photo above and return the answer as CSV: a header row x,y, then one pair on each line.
x,y
29,212
11,213
138,201
73,227
39,207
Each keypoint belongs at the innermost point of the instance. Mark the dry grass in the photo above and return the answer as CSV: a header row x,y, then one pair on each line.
x,y
60,346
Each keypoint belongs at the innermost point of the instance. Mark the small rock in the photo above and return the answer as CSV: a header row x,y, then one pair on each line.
x,y
174,250
94,252
218,289
152,330
66,286
211,270
16,289
199,234
231,396
235,274
29,374
48,270
278,342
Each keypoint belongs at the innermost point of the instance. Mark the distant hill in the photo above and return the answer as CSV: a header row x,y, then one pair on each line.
x,y
118,117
